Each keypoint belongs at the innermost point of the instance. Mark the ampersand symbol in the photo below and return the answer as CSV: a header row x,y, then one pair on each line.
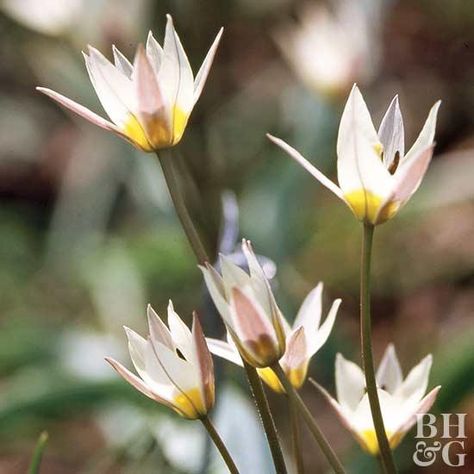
x,y
425,455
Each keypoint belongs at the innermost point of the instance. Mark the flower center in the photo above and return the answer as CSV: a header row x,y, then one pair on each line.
x,y
190,404
366,206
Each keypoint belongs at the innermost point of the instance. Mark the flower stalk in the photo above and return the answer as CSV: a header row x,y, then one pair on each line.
x,y
366,347
309,420
295,437
166,160
266,417
214,435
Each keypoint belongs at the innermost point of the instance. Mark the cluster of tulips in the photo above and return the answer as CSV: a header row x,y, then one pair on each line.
x,y
149,103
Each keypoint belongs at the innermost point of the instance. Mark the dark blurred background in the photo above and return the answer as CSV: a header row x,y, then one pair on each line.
x,y
88,235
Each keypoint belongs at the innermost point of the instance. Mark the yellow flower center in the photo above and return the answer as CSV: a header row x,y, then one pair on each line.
x,y
378,147
370,444
156,133
366,206
295,376
190,404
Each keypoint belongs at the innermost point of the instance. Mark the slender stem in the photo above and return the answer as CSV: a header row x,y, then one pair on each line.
x,y
38,454
295,437
266,418
366,346
167,164
309,420
219,445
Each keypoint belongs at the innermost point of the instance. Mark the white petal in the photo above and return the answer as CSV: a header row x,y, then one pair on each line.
x,y
154,52
423,407
350,383
307,166
215,287
426,136
137,347
232,275
158,330
181,335
203,72
358,164
316,342
416,382
389,374
309,314
175,75
113,88
183,375
122,63
391,133
296,353
224,350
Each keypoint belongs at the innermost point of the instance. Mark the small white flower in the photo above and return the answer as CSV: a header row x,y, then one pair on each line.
x,y
174,365
149,102
400,399
331,49
303,340
376,177
248,308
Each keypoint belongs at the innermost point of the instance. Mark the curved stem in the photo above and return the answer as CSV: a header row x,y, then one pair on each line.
x,y
38,454
266,418
366,346
309,420
214,435
166,159
295,437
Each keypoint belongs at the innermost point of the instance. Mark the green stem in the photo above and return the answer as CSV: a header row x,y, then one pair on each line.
x,y
167,164
266,418
220,445
309,420
295,437
166,160
38,454
366,346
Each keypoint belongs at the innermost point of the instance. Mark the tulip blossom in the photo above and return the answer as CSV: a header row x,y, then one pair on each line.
x,y
174,365
376,177
303,340
401,400
330,50
149,102
248,308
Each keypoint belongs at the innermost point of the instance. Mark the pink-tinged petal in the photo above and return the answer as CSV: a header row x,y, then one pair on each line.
x,y
425,404
426,136
158,330
122,63
137,346
389,374
350,383
204,359
296,351
149,97
359,167
154,52
392,133
307,166
409,175
224,350
131,378
203,72
81,110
